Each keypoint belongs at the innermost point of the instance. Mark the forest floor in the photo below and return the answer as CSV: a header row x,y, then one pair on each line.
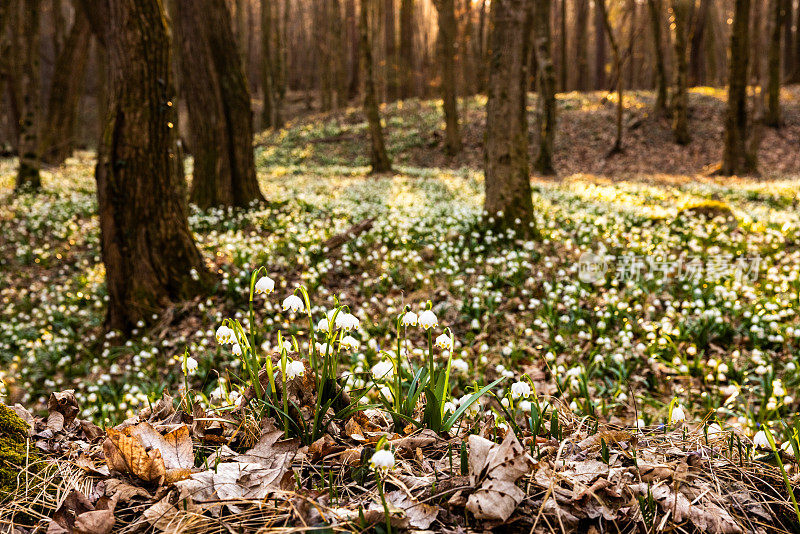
x,y
715,337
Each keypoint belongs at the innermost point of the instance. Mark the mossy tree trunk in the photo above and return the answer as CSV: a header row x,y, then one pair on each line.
x,y
149,253
508,186
63,105
379,159
446,47
680,11
654,8
218,101
773,116
26,42
735,158
546,82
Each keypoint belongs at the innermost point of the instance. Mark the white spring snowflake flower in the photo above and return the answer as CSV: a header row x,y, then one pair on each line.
x,y
323,325
347,322
265,285
449,407
444,342
294,369
428,320
189,366
225,335
349,342
236,350
760,440
383,370
714,430
409,319
678,415
382,459
520,389
293,303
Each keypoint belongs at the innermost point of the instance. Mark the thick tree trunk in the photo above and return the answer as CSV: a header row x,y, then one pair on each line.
x,y
218,102
508,187
378,157
654,8
773,116
581,41
407,37
679,11
735,160
546,82
446,46
617,148
149,254
599,50
27,46
65,93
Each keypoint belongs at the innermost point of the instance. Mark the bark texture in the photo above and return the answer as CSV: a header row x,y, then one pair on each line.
x,y
736,158
546,84
581,41
654,8
407,37
150,256
28,86
679,12
65,93
218,101
447,60
379,160
508,186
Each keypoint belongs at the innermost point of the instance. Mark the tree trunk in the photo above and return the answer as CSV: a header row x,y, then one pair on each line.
x,y
65,93
352,40
563,53
734,160
270,68
150,256
508,186
581,41
337,54
654,8
390,49
773,117
696,55
218,102
241,31
546,81
407,37
788,40
378,157
599,51
446,46
679,11
27,44
617,148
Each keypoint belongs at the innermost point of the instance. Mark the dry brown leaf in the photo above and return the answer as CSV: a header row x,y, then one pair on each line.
x,y
495,469
703,514
127,454
77,515
419,515
175,445
163,516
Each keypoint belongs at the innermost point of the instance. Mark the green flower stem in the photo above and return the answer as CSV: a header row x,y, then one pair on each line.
x,y
379,480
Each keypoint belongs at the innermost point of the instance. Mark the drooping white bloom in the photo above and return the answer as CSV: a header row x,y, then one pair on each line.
x,y
760,440
383,370
236,350
189,366
293,303
459,366
382,459
714,430
520,389
225,335
449,407
409,319
323,325
678,414
349,342
347,322
444,342
428,320
265,285
294,369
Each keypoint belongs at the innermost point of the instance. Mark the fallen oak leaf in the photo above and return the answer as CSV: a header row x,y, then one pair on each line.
x,y
126,454
495,469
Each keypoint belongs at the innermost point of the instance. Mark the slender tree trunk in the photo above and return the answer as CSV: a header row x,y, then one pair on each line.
x,y
631,15
480,85
407,38
378,158
735,159
337,54
679,11
218,101
150,256
617,148
599,51
563,53
788,38
390,48
446,46
696,54
654,8
27,47
546,81
581,41
352,40
270,68
796,47
508,187
58,135
773,117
